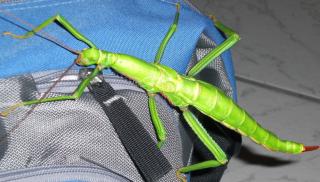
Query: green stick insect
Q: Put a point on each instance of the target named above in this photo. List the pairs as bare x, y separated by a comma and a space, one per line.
181, 91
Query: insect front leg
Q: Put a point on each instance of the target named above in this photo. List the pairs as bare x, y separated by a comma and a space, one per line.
63, 22
217, 51
213, 147
76, 94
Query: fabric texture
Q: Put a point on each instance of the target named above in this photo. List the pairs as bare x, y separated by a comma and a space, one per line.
134, 137
78, 132
117, 26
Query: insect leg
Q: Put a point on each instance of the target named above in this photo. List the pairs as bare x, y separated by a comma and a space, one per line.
157, 123
57, 18
213, 147
76, 94
169, 34
231, 40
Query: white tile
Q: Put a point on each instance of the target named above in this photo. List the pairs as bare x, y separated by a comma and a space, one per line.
290, 118
279, 40
279, 46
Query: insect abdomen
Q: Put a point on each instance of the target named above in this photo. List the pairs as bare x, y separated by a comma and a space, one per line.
214, 103
205, 97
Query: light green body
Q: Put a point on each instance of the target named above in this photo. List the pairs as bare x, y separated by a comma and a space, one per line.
181, 91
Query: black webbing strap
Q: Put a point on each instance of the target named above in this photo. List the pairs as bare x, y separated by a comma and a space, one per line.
228, 140
143, 151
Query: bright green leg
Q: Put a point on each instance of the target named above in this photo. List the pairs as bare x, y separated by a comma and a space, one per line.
76, 94
206, 139
158, 125
168, 36
231, 40
62, 22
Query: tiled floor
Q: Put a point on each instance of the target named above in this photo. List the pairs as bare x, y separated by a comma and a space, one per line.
278, 47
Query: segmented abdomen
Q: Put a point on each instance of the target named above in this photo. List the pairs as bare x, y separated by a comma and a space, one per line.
214, 103
182, 91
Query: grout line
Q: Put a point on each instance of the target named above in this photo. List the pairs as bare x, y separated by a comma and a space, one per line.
277, 88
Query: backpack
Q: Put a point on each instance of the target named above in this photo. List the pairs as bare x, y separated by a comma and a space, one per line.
78, 140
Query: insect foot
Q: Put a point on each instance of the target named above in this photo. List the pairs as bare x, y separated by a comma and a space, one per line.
180, 176
8, 34
6, 112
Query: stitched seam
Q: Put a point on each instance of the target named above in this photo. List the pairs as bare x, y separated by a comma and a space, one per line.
43, 6
22, 2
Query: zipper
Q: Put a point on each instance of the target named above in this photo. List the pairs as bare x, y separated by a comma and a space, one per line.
70, 81
62, 173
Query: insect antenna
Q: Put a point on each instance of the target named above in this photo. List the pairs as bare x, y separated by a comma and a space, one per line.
50, 38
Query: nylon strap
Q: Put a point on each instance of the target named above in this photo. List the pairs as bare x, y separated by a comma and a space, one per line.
149, 160
228, 140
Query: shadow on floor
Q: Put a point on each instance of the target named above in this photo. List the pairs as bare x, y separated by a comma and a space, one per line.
248, 156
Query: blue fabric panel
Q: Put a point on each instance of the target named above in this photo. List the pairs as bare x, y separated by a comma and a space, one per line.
134, 27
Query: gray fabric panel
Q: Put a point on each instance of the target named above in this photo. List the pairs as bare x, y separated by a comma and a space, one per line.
78, 132
215, 72
61, 173
68, 132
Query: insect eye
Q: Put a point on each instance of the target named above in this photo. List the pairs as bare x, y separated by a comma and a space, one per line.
80, 60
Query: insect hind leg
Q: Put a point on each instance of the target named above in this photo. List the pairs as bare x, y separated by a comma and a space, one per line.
212, 146
233, 38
